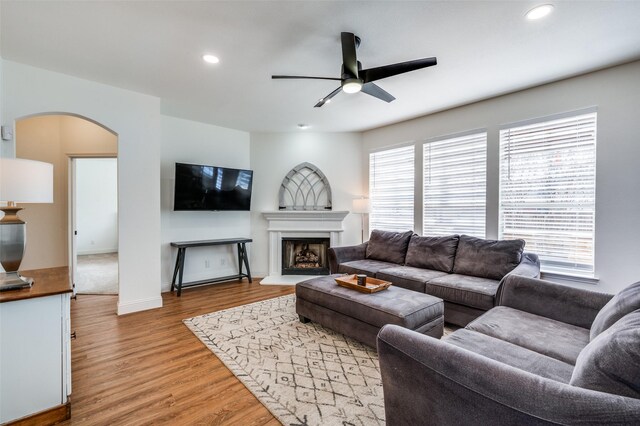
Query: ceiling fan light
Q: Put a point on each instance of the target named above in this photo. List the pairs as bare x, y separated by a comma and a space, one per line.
352, 85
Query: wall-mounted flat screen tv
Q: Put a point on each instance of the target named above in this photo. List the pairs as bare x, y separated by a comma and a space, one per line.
200, 187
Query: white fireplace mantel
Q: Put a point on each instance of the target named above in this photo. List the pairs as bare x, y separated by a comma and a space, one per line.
302, 223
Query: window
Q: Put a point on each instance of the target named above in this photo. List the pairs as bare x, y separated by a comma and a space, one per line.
547, 191
391, 183
455, 185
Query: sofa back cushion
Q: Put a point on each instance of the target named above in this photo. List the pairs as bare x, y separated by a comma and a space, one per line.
628, 300
388, 246
437, 253
611, 362
487, 258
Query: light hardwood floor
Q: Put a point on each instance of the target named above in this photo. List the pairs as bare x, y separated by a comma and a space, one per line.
148, 368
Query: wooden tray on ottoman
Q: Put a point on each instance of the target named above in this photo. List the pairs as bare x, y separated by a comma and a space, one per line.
373, 284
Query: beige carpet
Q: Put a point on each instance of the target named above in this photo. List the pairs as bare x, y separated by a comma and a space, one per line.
97, 274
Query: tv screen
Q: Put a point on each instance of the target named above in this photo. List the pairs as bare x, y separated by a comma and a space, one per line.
201, 187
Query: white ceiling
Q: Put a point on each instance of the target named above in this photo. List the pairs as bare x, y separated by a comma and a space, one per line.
484, 48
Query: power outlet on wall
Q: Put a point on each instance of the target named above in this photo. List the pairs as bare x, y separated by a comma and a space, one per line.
223, 262
207, 263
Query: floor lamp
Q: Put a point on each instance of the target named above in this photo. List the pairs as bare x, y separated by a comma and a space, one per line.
361, 206
21, 181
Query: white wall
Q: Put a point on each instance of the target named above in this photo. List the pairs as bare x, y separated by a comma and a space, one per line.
187, 141
97, 205
616, 93
136, 119
273, 155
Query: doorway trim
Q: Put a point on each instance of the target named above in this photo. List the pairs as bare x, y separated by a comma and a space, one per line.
72, 219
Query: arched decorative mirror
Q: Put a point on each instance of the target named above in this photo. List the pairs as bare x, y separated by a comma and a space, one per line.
305, 187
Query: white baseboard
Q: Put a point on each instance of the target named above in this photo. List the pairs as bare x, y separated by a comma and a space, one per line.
139, 305
102, 251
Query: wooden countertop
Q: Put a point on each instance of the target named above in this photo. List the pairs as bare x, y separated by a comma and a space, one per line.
47, 282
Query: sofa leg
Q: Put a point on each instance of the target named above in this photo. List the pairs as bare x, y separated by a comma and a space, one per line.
304, 320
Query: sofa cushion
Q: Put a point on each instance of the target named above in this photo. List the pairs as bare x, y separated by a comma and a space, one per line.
543, 335
388, 246
510, 354
409, 277
437, 253
487, 258
611, 362
365, 266
626, 301
464, 289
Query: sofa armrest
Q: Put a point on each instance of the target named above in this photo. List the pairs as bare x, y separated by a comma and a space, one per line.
529, 266
431, 382
559, 302
338, 255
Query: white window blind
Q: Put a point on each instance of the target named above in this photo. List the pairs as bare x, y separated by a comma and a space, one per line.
455, 183
547, 191
391, 189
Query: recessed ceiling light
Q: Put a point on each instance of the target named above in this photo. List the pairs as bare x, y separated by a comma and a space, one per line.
303, 126
539, 12
210, 59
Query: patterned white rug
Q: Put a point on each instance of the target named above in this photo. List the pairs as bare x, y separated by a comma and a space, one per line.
303, 373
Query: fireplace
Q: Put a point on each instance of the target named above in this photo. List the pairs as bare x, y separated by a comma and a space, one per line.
305, 256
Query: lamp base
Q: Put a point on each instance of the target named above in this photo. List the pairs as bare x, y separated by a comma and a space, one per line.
14, 281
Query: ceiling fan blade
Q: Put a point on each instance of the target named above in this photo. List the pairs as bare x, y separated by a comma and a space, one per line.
349, 59
276, 77
327, 98
377, 92
378, 73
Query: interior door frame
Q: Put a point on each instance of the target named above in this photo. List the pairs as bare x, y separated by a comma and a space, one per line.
73, 232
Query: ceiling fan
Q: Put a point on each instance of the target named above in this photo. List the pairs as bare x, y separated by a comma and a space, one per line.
354, 79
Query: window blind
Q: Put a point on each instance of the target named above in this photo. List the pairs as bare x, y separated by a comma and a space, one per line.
455, 182
391, 189
547, 191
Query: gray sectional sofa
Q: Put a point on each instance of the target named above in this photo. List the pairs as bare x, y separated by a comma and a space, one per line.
464, 271
547, 354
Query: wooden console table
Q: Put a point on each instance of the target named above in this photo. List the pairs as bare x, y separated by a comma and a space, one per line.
182, 246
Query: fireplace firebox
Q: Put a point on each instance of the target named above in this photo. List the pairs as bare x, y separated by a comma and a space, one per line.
305, 256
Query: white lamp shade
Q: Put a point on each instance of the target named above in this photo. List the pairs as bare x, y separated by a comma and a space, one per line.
26, 181
361, 205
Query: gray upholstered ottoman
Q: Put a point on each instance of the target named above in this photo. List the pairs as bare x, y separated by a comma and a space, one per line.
361, 315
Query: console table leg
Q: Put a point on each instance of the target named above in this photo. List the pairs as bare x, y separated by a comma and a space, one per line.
175, 270
183, 252
245, 258
239, 262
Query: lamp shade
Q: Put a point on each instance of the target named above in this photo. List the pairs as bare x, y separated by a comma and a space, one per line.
26, 181
361, 205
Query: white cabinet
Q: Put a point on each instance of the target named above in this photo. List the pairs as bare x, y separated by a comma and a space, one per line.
35, 354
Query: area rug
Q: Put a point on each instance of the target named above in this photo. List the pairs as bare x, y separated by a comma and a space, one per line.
304, 374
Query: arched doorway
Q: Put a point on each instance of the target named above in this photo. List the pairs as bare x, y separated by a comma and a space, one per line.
63, 139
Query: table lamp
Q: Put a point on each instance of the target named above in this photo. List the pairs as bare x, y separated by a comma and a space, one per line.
361, 206
21, 181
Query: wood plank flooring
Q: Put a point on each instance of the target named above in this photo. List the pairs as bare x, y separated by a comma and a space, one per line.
148, 368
